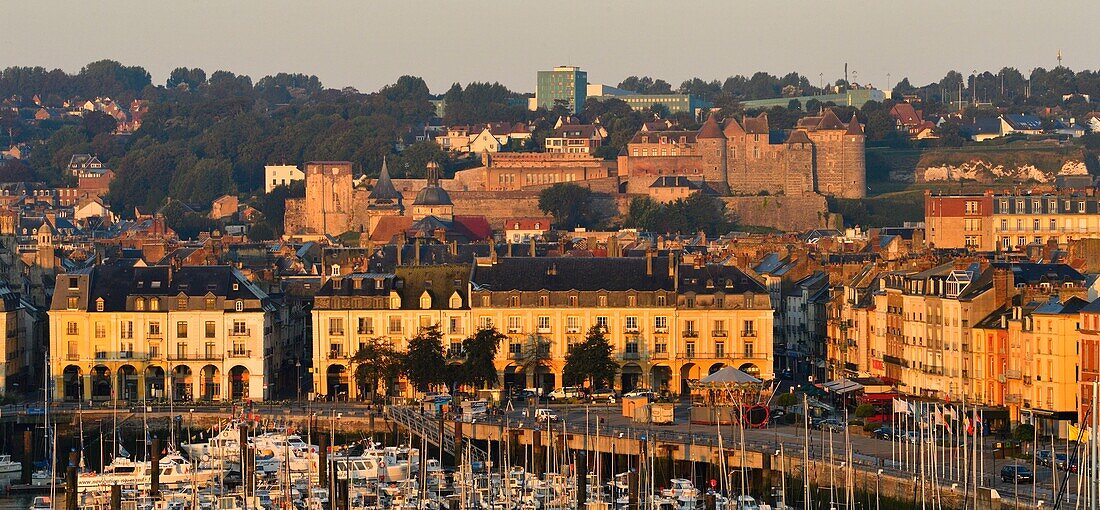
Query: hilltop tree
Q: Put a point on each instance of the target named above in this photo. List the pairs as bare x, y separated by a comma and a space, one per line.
570, 205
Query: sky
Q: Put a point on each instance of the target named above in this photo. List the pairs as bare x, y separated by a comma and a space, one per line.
369, 43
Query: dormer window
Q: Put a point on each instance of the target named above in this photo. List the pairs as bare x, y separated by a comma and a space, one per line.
710, 284
238, 306
210, 302
99, 304
538, 226
425, 301
154, 304
181, 302
236, 286
139, 304
335, 270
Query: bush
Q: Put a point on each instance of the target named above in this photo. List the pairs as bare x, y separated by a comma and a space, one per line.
865, 411
786, 400
871, 427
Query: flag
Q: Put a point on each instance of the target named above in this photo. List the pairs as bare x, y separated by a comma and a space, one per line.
969, 425
1075, 432
900, 406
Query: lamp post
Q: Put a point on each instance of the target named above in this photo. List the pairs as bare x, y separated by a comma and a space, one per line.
298, 366
878, 483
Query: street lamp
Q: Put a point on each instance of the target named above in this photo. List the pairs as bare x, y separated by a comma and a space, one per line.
298, 365
878, 483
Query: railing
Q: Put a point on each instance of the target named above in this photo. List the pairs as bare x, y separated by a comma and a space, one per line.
718, 332
631, 355
365, 331
337, 355
240, 353
194, 356
432, 429
691, 334
749, 332
336, 332
248, 332
1012, 374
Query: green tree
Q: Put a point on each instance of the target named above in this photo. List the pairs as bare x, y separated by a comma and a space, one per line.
424, 363
786, 400
97, 122
375, 361
865, 411
590, 361
570, 205
480, 349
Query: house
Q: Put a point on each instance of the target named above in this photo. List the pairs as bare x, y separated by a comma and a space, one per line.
521, 230
281, 175
85, 163
1021, 123
983, 128
910, 120
224, 207
669, 188
576, 139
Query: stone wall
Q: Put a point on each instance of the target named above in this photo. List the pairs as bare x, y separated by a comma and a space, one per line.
780, 212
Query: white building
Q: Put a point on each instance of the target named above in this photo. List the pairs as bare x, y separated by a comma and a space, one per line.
279, 175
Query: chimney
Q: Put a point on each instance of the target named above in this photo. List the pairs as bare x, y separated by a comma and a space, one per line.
671, 264
509, 249
649, 262
416, 254
1003, 286
532, 247
400, 247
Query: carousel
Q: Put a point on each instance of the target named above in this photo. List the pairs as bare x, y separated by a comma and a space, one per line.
731, 396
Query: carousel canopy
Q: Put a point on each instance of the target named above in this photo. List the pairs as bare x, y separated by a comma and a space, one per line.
729, 375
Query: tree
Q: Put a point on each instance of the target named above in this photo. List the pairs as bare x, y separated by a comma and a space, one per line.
96, 122
570, 205
590, 361
534, 355
424, 363
698, 212
786, 400
184, 76
375, 361
481, 349
865, 411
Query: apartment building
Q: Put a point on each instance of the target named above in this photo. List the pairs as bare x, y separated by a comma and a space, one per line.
353, 310
126, 331
1009, 222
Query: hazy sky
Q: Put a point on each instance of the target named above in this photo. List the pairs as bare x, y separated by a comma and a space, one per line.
367, 44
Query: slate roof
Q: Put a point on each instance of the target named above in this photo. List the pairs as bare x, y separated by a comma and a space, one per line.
1032, 272
722, 278
569, 273
710, 129
674, 181
383, 191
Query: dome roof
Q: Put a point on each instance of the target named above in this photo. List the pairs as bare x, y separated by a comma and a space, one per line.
433, 195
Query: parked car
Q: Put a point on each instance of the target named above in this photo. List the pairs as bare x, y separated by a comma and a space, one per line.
1043, 457
641, 393
1063, 463
523, 395
545, 415
1016, 473
604, 395
885, 433
566, 393
831, 424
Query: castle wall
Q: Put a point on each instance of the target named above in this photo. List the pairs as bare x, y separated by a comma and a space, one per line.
780, 212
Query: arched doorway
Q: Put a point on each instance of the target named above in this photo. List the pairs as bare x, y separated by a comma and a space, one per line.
688, 373
154, 382
127, 382
751, 369
660, 377
716, 367
545, 380
238, 383
101, 383
631, 377
336, 382
514, 378
73, 383
182, 383
211, 383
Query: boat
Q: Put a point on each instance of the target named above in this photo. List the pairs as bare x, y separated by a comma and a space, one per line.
9, 466
122, 471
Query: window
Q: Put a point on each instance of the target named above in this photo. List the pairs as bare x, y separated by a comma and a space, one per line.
211, 350
662, 300
366, 326
601, 301
139, 304
154, 304
100, 330
336, 325
544, 324
154, 328
632, 301
127, 329
573, 301
74, 283
210, 302
719, 349
719, 328
73, 302
211, 329
455, 326
240, 328
513, 301
238, 306
395, 325
601, 322
1004, 224
70, 328
689, 329
485, 322
515, 348
181, 302
515, 324
572, 324
660, 324
748, 349
99, 304
748, 328
631, 323
720, 301
689, 349
181, 329
544, 301
73, 351
485, 301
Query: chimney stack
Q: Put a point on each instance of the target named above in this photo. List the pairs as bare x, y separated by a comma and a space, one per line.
649, 262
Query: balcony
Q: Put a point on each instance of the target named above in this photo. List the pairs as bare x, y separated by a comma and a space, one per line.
248, 332
659, 355
337, 355
72, 356
749, 333
1012, 374
631, 355
691, 334
335, 332
718, 332
1013, 398
515, 355
365, 331
242, 353
545, 330
194, 356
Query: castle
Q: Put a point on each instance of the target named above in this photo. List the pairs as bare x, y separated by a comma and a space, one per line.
821, 155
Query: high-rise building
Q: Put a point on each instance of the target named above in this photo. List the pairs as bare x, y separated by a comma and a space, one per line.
565, 85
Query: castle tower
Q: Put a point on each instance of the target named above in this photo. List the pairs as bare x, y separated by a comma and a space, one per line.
383, 200
854, 161
328, 201
799, 158
712, 144
735, 156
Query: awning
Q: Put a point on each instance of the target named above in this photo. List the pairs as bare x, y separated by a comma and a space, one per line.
842, 386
